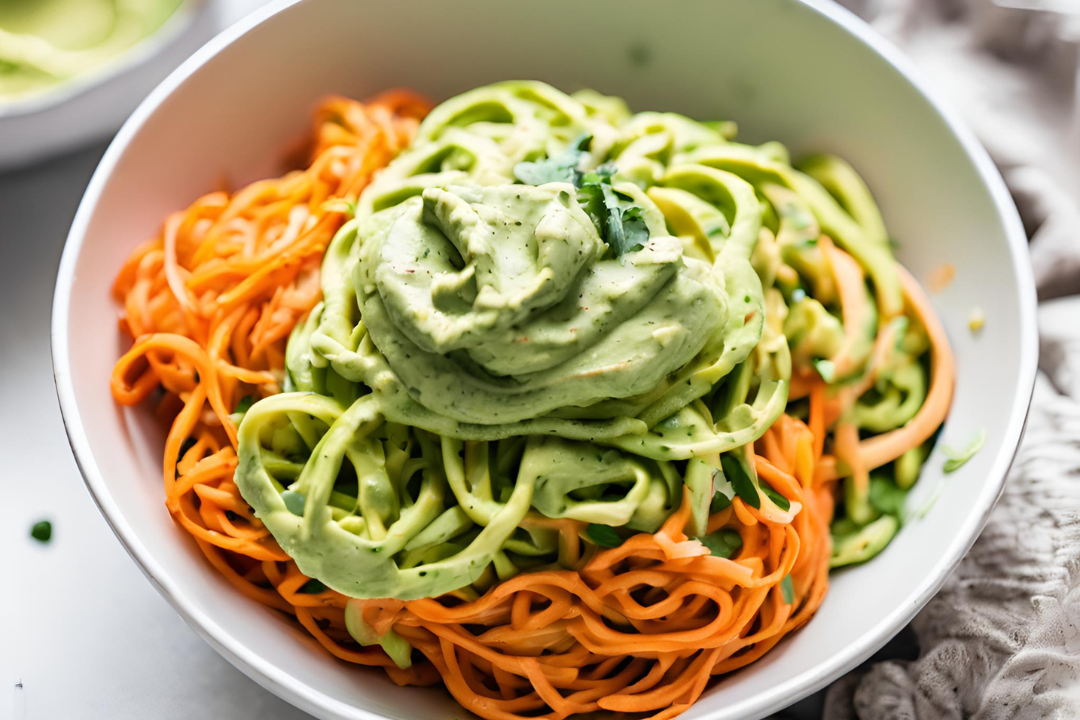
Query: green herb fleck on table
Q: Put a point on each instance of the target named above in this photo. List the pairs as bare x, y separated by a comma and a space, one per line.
41, 531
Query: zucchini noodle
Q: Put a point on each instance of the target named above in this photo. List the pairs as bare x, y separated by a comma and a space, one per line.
563, 425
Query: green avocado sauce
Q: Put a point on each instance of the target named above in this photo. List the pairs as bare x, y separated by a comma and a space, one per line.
545, 307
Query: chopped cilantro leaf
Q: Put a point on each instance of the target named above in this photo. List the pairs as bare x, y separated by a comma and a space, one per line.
788, 589
603, 535
560, 168
312, 587
620, 222
886, 497
740, 480
722, 543
778, 500
720, 501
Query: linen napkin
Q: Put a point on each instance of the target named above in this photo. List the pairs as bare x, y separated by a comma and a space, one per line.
1002, 638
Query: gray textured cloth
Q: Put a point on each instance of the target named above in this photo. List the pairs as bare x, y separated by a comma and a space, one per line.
1002, 638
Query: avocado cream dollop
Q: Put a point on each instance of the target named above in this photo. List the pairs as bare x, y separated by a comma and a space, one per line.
496, 304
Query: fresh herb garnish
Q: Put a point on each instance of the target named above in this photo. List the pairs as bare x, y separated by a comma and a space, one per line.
788, 589
245, 404
778, 500
558, 168
740, 481
42, 531
603, 535
887, 497
825, 369
957, 458
627, 231
312, 587
720, 502
722, 543
620, 222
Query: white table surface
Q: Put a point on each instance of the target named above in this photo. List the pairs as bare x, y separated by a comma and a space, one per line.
83, 635
80, 627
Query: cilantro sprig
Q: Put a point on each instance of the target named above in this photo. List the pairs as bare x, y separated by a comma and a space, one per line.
722, 543
603, 535
740, 480
787, 588
619, 220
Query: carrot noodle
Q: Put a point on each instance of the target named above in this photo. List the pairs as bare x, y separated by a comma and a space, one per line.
880, 449
210, 303
640, 628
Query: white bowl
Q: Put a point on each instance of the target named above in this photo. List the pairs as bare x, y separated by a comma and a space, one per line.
812, 76
94, 104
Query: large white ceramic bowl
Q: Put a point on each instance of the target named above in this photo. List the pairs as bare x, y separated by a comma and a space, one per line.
812, 76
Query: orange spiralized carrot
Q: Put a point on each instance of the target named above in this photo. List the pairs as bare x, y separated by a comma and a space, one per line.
641, 628
878, 450
210, 303
854, 300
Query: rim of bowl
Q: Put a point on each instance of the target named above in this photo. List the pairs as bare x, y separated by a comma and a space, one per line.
781, 695
174, 26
